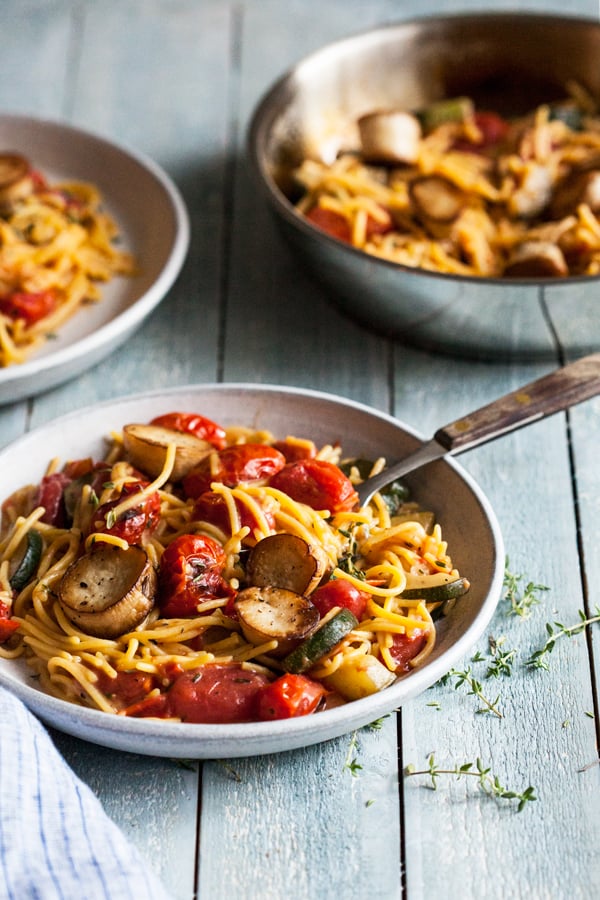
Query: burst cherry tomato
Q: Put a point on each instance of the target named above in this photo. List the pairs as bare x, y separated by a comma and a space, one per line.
405, 647
31, 307
331, 222
126, 688
217, 694
191, 571
213, 508
317, 483
339, 592
7, 625
50, 496
241, 463
131, 524
192, 423
289, 696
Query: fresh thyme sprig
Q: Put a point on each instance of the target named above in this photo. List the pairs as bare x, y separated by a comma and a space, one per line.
556, 630
489, 783
351, 762
501, 662
465, 676
521, 601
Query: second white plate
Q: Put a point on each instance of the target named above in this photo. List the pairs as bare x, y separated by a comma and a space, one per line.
153, 224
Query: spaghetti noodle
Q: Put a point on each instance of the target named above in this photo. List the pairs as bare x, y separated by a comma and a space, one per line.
56, 246
379, 574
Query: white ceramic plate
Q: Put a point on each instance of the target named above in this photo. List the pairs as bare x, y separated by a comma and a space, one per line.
468, 522
154, 226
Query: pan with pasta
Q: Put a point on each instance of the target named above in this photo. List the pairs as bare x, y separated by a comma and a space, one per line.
199, 575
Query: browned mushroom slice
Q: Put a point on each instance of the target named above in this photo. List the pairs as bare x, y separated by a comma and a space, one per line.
436, 199
271, 613
108, 591
536, 259
390, 137
580, 187
146, 448
286, 561
15, 180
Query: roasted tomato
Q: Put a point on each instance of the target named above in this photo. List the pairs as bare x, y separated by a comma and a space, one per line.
126, 688
217, 694
31, 307
241, 463
289, 696
331, 222
7, 625
131, 524
317, 483
191, 571
192, 423
405, 647
213, 508
50, 496
339, 592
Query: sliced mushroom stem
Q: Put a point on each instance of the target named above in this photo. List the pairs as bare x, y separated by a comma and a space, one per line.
271, 613
286, 561
436, 199
146, 448
536, 259
391, 137
15, 180
108, 591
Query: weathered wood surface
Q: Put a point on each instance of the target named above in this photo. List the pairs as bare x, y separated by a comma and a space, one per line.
177, 80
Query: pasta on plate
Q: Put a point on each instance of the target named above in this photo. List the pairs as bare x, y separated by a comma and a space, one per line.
464, 191
208, 574
57, 245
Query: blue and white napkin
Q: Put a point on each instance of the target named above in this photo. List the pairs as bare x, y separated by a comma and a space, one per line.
56, 841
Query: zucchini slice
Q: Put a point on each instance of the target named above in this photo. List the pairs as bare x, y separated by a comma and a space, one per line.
320, 643
29, 562
438, 593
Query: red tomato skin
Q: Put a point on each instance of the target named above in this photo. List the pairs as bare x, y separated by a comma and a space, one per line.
405, 647
212, 508
7, 625
127, 687
132, 524
289, 696
50, 496
241, 463
31, 307
216, 694
374, 226
191, 423
156, 707
331, 222
339, 592
190, 571
317, 483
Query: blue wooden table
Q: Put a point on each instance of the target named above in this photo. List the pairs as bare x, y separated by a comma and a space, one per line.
177, 80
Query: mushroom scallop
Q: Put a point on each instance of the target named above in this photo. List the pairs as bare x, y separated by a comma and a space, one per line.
286, 561
146, 448
270, 613
108, 591
390, 136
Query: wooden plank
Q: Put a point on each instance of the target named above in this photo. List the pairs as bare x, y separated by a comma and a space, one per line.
493, 851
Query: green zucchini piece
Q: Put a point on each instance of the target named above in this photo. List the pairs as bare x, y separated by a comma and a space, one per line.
320, 643
456, 109
29, 563
438, 593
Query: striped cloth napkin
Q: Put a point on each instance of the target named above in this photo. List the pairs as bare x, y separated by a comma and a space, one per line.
56, 841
